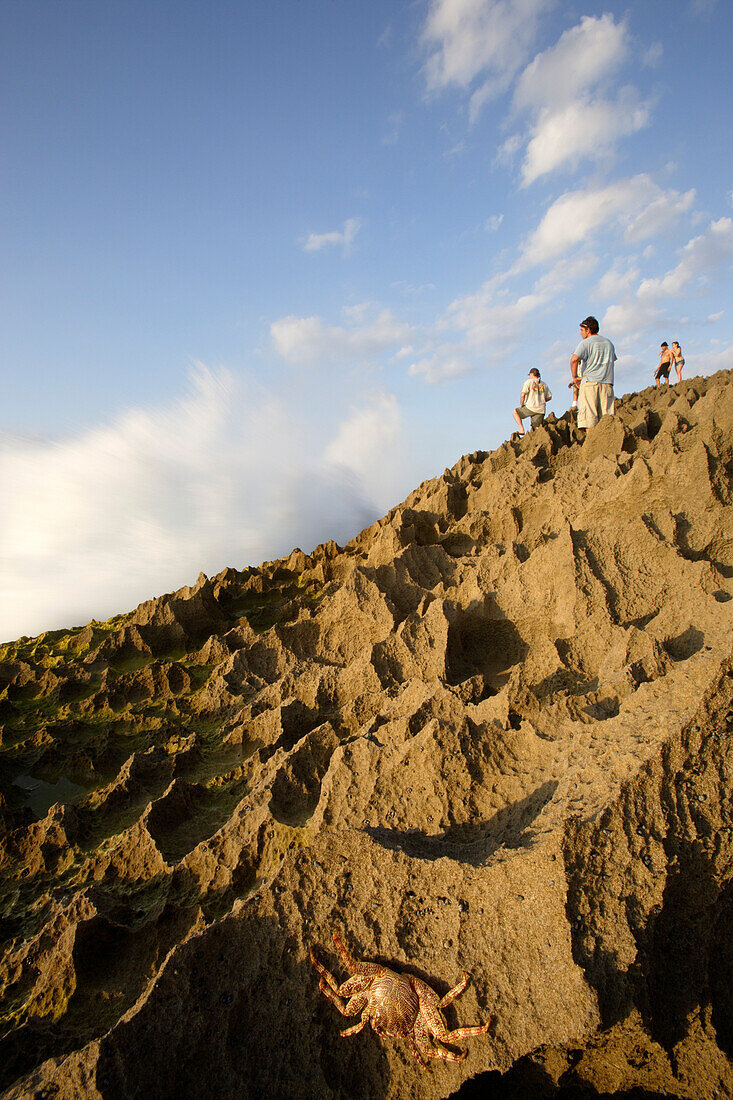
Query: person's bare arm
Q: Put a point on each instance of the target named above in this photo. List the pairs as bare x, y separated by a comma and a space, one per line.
574, 364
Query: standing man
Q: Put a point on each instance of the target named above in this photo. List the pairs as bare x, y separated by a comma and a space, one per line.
665, 363
597, 354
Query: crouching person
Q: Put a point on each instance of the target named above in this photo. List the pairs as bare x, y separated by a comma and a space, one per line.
535, 393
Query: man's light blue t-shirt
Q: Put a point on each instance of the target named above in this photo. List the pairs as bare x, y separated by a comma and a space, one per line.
598, 356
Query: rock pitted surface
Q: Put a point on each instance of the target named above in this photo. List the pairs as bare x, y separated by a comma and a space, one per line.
492, 733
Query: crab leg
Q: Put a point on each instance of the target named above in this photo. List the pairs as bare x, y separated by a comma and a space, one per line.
355, 1029
454, 992
356, 966
427, 1050
459, 1033
417, 1051
352, 1007
439, 1031
325, 974
430, 1012
444, 1054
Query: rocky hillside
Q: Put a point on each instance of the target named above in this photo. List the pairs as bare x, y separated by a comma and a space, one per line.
492, 734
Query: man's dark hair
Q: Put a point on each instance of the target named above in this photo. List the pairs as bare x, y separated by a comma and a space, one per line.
665, 344
591, 324
535, 371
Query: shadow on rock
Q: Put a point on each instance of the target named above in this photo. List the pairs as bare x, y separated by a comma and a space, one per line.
237, 1013
482, 640
689, 953
474, 842
528, 1080
722, 972
112, 962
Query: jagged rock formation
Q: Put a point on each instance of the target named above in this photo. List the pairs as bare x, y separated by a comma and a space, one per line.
492, 733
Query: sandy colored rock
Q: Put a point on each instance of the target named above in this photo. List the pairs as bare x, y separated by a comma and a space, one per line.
492, 733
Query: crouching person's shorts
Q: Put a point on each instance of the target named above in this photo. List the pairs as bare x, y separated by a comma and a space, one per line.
536, 417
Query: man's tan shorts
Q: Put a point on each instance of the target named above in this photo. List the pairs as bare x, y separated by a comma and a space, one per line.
594, 401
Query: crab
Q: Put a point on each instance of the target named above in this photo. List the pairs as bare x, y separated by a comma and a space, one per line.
396, 1005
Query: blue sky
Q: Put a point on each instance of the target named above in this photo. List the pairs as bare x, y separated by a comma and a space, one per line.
268, 266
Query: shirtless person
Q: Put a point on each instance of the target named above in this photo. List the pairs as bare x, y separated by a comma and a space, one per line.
665, 363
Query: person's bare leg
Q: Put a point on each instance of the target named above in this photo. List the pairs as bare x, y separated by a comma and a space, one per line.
518, 419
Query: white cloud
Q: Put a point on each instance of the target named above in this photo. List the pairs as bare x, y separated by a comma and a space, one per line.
699, 258
575, 216
491, 320
641, 309
358, 314
717, 360
468, 39
314, 242
703, 7
306, 340
508, 150
653, 55
456, 150
659, 215
582, 130
583, 57
564, 90
484, 326
487, 325
445, 363
413, 289
492, 224
365, 434
394, 126
713, 318
618, 281
627, 321
227, 475
386, 37
562, 275
637, 205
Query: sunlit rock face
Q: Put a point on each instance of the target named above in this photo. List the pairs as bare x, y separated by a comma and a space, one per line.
492, 734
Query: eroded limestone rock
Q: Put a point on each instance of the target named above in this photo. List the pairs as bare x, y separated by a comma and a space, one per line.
491, 733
